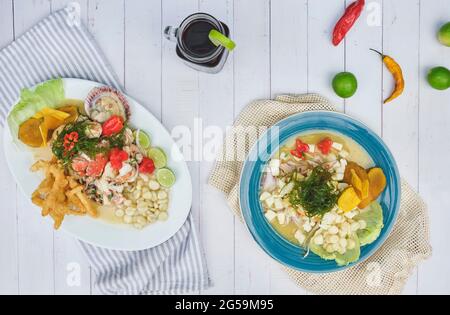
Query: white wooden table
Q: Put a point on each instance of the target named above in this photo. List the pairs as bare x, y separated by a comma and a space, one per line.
282, 46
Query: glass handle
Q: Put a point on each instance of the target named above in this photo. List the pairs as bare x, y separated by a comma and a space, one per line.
170, 33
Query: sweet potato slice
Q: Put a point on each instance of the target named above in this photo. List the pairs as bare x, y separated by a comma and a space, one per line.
348, 200
377, 182
356, 176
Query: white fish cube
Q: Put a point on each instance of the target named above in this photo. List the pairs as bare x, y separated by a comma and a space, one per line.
274, 166
307, 227
281, 216
312, 148
343, 153
300, 236
338, 176
338, 146
269, 201
270, 215
278, 204
264, 196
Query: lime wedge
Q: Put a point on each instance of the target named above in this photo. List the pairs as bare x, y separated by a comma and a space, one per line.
158, 156
218, 38
142, 139
165, 177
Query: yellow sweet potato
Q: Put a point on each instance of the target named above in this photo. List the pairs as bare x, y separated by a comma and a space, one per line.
356, 176
377, 181
348, 200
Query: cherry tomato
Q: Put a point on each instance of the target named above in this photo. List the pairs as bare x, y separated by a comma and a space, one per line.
112, 126
147, 166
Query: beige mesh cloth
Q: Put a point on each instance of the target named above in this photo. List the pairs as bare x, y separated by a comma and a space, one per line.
385, 272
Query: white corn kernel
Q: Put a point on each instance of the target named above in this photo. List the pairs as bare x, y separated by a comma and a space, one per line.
362, 224
350, 244
130, 211
163, 216
127, 219
343, 242
355, 226
120, 213
153, 185
318, 240
333, 230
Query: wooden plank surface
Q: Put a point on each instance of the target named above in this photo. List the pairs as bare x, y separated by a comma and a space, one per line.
282, 47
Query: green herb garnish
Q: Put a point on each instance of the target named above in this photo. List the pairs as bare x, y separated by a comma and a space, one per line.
316, 194
89, 146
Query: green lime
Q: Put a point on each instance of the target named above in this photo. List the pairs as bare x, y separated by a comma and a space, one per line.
439, 78
165, 177
158, 156
142, 139
217, 38
345, 84
444, 34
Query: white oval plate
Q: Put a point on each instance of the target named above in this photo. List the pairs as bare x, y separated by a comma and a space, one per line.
99, 232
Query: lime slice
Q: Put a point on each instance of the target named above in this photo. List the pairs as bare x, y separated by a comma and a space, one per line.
158, 156
142, 139
165, 177
217, 38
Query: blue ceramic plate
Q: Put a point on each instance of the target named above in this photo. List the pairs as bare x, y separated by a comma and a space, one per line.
270, 241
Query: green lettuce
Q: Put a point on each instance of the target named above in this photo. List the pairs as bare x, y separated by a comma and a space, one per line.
373, 216
47, 94
350, 256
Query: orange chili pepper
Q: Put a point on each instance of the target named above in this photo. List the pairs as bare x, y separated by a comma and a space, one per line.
396, 71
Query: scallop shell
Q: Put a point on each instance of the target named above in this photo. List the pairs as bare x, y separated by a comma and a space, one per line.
96, 93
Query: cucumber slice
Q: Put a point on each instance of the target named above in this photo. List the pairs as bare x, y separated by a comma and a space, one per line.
158, 156
165, 177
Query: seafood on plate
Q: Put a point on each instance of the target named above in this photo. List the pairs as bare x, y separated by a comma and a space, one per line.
99, 164
320, 191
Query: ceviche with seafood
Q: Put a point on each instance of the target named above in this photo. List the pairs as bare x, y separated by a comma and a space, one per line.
320, 191
94, 162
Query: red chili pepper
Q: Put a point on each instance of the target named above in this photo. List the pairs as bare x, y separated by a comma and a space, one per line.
70, 140
112, 126
325, 145
346, 22
117, 157
147, 166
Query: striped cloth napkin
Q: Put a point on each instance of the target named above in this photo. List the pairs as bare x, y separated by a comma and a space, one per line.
58, 47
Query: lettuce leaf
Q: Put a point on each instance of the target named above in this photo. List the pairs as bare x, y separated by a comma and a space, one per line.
351, 255
373, 216
47, 94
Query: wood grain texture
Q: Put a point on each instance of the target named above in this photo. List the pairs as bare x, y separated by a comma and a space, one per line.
282, 47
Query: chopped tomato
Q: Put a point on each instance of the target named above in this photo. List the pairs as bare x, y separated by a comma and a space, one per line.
147, 166
325, 145
301, 146
95, 168
297, 154
117, 157
112, 126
